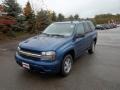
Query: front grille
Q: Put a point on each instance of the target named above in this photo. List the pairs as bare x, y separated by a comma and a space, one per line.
29, 54
31, 51
29, 57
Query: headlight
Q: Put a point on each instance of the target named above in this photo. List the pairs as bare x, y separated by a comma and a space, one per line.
18, 49
50, 55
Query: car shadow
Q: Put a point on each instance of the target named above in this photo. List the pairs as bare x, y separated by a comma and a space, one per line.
83, 60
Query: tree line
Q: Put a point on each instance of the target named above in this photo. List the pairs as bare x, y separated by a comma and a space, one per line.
31, 21
43, 18
107, 18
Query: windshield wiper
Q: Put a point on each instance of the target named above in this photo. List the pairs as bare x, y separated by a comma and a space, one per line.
46, 34
57, 35
53, 35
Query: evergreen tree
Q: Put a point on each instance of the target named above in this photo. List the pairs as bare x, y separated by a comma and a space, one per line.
60, 17
76, 17
12, 8
28, 12
54, 17
29, 17
42, 20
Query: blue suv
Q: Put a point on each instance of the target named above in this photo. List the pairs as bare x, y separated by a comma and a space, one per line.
56, 48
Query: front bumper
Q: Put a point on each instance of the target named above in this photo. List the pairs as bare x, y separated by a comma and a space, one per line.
40, 66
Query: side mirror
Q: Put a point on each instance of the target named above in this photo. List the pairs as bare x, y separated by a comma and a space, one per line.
79, 35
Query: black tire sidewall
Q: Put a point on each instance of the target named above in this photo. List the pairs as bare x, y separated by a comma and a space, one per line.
90, 51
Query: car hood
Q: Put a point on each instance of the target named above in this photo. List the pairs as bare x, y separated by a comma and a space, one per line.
44, 43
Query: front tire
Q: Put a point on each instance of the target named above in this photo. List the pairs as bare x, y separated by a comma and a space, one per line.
92, 48
66, 65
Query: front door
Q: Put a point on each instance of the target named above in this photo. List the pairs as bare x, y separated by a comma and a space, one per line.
79, 41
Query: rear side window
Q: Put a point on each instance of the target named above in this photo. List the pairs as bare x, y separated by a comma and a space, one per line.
91, 25
87, 27
80, 29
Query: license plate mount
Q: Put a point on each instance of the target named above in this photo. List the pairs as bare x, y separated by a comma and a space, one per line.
25, 65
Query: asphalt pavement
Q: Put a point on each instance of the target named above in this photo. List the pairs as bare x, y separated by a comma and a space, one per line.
100, 71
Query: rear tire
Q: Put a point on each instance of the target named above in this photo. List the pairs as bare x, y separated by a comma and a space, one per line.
92, 48
66, 65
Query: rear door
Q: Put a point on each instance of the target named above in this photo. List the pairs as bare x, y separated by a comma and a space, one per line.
88, 34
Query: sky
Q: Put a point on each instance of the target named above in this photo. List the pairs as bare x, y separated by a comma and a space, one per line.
85, 8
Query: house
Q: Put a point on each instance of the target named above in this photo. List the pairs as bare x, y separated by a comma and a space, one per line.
2, 12
5, 19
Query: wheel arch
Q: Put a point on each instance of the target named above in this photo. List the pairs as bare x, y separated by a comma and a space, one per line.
71, 52
95, 40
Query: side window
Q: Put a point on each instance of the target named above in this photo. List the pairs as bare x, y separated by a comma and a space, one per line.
91, 25
87, 27
80, 29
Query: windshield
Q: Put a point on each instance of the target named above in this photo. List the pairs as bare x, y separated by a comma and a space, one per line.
60, 29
